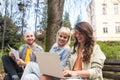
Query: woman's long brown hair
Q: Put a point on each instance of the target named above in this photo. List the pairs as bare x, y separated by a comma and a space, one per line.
85, 29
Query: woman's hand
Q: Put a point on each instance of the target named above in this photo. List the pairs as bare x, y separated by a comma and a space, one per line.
70, 73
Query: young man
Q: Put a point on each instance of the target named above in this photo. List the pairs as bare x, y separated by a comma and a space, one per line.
14, 66
61, 47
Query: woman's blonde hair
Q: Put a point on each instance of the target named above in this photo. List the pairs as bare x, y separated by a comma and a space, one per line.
66, 31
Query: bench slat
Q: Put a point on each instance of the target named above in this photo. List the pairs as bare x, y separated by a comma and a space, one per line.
111, 68
112, 62
111, 76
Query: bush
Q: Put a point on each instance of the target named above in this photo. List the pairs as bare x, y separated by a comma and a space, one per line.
111, 49
1, 53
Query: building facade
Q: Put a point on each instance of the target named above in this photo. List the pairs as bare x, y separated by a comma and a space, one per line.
106, 20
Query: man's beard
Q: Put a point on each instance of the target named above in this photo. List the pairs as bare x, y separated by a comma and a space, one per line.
30, 43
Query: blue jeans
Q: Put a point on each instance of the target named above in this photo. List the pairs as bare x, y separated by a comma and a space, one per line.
31, 72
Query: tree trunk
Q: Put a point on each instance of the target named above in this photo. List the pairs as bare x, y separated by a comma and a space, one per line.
55, 11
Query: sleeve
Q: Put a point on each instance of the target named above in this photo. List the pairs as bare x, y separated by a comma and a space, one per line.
65, 56
52, 48
69, 62
97, 63
38, 48
22, 50
41, 49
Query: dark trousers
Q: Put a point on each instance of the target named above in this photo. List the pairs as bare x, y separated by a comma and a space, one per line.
11, 68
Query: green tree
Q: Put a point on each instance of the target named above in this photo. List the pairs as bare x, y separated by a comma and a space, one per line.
11, 33
66, 21
44, 15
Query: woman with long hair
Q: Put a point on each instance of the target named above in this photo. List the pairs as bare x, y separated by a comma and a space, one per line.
86, 60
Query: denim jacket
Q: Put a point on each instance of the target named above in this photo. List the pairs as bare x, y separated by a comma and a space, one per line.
63, 53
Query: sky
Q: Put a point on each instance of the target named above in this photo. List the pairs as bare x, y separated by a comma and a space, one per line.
76, 8
33, 13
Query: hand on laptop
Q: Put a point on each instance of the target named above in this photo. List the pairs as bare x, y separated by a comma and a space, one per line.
69, 73
65, 72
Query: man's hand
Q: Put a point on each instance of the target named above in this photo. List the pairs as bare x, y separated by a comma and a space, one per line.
20, 62
11, 55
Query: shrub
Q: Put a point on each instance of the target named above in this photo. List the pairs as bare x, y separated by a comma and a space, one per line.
111, 49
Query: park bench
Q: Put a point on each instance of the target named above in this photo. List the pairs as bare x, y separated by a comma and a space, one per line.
111, 69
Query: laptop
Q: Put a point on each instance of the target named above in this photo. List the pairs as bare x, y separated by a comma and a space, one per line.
49, 64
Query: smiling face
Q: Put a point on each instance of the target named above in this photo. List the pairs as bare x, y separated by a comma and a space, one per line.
84, 33
29, 37
80, 37
63, 36
62, 39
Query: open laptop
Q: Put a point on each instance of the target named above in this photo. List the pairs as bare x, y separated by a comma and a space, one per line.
49, 64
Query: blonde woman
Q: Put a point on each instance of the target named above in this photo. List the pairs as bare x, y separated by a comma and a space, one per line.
61, 47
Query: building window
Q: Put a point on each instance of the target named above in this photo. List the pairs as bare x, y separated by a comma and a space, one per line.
104, 9
105, 30
116, 10
117, 29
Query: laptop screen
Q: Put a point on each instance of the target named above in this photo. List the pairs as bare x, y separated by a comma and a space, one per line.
49, 64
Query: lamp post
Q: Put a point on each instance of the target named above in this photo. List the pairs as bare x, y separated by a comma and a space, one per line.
21, 8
